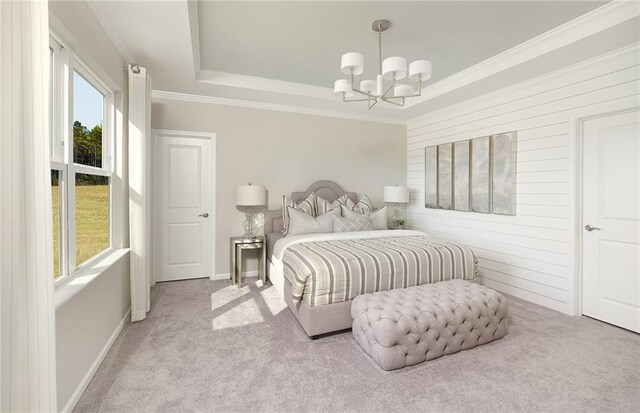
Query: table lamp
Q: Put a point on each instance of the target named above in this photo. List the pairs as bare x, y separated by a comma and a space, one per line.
250, 199
396, 195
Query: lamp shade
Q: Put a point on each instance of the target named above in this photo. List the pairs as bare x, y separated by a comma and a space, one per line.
369, 86
403, 91
420, 70
352, 61
397, 194
394, 68
251, 195
342, 88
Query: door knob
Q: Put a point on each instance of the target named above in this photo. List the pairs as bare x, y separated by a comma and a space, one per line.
591, 228
205, 215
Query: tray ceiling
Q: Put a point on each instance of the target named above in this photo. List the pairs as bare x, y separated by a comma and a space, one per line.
302, 42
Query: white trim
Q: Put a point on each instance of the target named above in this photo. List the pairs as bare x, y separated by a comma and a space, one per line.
213, 100
194, 29
266, 84
70, 286
68, 61
84, 383
480, 102
602, 18
109, 28
576, 157
155, 133
227, 276
67, 40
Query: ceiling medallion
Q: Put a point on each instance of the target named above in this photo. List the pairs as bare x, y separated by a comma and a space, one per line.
391, 68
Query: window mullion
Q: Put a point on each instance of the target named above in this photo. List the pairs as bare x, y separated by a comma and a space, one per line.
71, 174
64, 227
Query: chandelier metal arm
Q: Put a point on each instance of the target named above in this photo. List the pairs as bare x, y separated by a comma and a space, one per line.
393, 103
356, 100
384, 95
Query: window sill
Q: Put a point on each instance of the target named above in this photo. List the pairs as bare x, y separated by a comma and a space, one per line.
82, 278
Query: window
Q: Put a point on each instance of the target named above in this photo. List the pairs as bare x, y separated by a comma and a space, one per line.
81, 171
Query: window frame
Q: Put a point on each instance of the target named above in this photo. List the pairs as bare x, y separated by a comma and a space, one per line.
65, 63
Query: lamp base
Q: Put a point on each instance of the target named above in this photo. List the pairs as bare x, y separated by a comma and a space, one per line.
250, 226
398, 221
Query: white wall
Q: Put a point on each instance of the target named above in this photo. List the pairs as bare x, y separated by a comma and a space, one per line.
529, 255
87, 322
286, 152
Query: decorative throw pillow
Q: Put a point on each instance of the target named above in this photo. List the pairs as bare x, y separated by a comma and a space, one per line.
322, 205
378, 218
302, 223
308, 206
364, 205
351, 225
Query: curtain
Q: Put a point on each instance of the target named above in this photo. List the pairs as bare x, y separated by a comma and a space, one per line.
27, 310
139, 189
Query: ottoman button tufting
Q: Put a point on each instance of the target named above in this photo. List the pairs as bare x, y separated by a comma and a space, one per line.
456, 301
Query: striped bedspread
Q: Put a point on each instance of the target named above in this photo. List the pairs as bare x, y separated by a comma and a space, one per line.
333, 271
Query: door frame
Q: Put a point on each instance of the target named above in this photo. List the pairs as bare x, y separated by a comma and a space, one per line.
576, 182
155, 135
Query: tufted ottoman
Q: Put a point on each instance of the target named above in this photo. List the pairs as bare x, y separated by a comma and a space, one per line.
407, 326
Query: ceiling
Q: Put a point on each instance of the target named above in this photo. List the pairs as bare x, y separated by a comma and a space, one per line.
286, 55
302, 42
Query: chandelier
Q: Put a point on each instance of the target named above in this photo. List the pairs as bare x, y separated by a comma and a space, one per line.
393, 69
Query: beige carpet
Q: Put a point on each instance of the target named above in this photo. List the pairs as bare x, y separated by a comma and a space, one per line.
207, 346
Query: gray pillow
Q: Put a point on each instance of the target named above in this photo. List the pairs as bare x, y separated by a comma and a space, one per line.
351, 225
308, 205
301, 223
378, 218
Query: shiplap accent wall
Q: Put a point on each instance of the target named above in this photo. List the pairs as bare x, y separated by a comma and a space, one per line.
530, 255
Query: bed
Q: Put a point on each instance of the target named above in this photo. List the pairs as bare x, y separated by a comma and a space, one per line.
318, 275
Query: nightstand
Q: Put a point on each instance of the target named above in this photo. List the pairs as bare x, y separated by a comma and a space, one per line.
238, 246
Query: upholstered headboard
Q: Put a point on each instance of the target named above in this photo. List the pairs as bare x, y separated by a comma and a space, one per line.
328, 190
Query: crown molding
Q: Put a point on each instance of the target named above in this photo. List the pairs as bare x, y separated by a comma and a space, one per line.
109, 28
602, 18
158, 95
264, 84
626, 56
194, 31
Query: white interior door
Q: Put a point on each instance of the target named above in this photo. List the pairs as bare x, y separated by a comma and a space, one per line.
611, 220
183, 208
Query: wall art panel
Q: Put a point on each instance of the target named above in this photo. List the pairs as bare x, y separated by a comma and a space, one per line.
431, 177
445, 176
461, 170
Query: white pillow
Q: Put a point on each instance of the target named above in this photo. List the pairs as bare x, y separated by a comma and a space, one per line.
351, 225
301, 223
378, 218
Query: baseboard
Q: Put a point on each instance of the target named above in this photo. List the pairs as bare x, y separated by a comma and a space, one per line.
227, 276
75, 397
